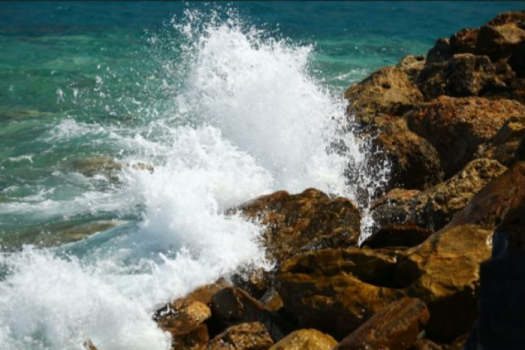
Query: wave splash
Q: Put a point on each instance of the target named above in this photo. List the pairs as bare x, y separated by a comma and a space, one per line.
248, 119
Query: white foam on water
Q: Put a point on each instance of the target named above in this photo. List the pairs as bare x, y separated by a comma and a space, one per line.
256, 122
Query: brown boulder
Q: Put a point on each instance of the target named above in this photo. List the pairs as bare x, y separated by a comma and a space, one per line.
387, 91
457, 126
245, 336
232, 306
434, 208
415, 163
505, 144
184, 319
298, 222
395, 327
444, 272
338, 290
463, 75
306, 339
489, 207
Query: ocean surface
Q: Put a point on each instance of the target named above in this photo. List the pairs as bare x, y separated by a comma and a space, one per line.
128, 128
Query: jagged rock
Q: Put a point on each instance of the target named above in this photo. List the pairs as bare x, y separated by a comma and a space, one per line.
444, 272
245, 336
298, 222
457, 126
232, 306
394, 327
306, 339
489, 207
295, 223
415, 162
397, 235
504, 145
387, 91
272, 300
338, 290
184, 319
412, 66
205, 293
434, 208
463, 75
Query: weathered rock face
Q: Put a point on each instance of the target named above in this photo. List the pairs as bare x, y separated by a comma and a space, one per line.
245, 336
388, 91
306, 339
434, 208
457, 126
464, 75
394, 327
338, 290
184, 319
505, 144
309, 220
232, 306
444, 272
489, 207
415, 162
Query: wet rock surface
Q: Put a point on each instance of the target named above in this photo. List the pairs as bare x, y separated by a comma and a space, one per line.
245, 336
394, 327
306, 339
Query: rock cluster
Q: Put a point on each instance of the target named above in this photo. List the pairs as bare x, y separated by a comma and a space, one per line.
445, 267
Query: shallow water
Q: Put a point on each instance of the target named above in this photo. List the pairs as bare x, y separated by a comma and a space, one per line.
142, 122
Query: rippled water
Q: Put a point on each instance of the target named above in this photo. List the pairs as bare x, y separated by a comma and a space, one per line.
144, 121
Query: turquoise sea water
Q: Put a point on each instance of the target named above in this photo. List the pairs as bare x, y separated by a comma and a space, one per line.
143, 121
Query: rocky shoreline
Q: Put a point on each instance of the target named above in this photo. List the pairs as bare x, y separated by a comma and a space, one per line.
445, 265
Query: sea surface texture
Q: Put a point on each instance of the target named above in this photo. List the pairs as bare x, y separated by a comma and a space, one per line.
127, 129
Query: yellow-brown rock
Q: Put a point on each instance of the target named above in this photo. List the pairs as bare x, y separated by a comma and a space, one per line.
336, 291
184, 319
387, 91
308, 220
456, 127
245, 336
435, 207
306, 339
232, 306
395, 327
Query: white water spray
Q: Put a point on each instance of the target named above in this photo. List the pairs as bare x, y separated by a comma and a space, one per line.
256, 122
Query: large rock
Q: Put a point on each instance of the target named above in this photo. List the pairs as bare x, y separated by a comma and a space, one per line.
489, 207
388, 91
397, 235
505, 144
245, 336
338, 290
394, 327
457, 126
415, 163
184, 319
464, 75
434, 208
232, 306
298, 222
306, 339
